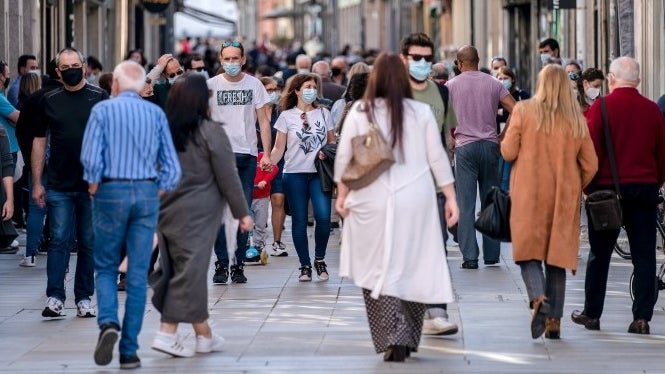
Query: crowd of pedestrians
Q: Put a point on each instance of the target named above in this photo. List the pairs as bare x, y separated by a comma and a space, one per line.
147, 172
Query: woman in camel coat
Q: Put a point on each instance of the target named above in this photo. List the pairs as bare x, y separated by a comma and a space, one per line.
554, 159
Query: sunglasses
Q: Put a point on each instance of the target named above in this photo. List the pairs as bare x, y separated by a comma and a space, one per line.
234, 43
417, 57
176, 74
305, 124
573, 76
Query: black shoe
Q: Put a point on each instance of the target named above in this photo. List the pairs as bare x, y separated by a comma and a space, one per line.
395, 353
238, 274
321, 270
582, 319
107, 338
470, 265
491, 262
310, 223
130, 362
221, 274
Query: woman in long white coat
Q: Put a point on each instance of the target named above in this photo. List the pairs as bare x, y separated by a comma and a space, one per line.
392, 245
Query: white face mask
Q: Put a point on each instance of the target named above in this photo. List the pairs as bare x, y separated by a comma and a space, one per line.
303, 71
592, 93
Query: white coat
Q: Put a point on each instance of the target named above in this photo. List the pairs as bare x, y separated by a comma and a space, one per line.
391, 240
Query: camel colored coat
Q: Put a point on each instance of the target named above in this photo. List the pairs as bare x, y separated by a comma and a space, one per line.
546, 183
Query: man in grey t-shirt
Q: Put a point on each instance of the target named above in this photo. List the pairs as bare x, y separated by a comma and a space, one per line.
475, 96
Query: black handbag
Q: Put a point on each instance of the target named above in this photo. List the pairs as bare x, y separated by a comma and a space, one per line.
604, 206
494, 219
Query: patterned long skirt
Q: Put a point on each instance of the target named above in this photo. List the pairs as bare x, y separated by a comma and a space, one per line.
393, 321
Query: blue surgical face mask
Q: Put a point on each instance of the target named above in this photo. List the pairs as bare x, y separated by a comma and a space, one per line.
419, 70
309, 95
232, 68
507, 83
545, 58
274, 97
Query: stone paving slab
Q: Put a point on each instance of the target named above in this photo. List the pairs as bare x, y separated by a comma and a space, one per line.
275, 324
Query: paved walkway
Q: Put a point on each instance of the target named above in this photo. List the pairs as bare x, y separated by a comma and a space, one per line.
276, 324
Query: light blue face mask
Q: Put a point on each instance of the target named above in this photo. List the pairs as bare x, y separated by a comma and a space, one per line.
507, 83
204, 73
274, 97
232, 68
419, 70
309, 95
545, 58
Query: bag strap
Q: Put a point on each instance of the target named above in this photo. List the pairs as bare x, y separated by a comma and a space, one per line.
609, 146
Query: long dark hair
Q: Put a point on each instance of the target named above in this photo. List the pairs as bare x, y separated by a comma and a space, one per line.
390, 81
186, 107
290, 98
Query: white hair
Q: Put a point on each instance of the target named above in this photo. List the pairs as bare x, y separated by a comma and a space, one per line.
304, 59
321, 68
625, 69
130, 76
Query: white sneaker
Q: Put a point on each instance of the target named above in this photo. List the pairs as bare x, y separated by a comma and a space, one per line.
278, 250
207, 345
14, 244
85, 310
27, 262
54, 308
171, 344
439, 326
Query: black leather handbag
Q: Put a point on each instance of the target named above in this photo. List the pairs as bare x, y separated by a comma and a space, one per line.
494, 219
604, 206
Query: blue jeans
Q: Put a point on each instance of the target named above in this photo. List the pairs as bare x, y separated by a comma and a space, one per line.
476, 168
299, 189
246, 165
68, 210
124, 213
34, 221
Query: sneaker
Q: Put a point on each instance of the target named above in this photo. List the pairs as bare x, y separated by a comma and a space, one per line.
85, 310
278, 250
207, 345
105, 343
252, 255
305, 274
54, 308
321, 270
14, 244
221, 274
264, 255
130, 362
238, 274
439, 326
27, 262
171, 344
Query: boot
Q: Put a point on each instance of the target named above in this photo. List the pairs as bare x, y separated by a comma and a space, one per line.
553, 328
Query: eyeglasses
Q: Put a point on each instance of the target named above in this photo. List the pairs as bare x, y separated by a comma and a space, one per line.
234, 43
573, 76
305, 124
177, 73
417, 57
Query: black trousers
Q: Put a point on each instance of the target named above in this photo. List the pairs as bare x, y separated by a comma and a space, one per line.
639, 203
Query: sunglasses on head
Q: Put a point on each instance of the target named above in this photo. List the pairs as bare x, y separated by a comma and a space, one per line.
177, 73
417, 57
234, 43
573, 76
303, 117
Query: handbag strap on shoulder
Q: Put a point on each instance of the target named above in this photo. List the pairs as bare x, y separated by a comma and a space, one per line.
609, 146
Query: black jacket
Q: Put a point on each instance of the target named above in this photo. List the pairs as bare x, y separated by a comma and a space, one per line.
326, 167
29, 117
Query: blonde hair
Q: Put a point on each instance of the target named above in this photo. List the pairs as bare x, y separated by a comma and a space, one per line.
555, 103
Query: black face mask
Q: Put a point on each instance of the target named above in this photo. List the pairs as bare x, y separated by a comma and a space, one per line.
336, 71
72, 76
6, 83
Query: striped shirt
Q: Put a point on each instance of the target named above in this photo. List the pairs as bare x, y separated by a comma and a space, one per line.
129, 138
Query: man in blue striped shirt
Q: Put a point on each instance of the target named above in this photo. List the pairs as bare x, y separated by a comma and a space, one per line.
129, 160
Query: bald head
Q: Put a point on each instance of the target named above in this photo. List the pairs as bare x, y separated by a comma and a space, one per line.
625, 72
128, 76
467, 56
321, 68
